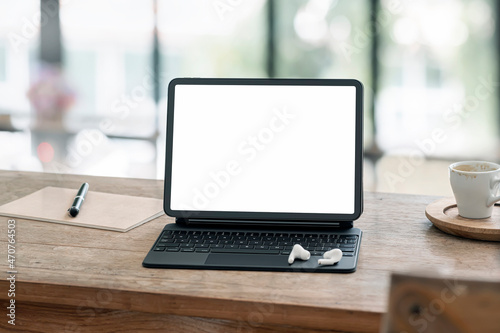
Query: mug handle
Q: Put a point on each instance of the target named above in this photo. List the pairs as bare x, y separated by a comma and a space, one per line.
493, 198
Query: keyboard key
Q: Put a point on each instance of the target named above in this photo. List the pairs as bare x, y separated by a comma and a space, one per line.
217, 246
202, 250
201, 246
347, 250
317, 253
348, 254
189, 249
172, 249
246, 247
261, 247
231, 247
249, 251
285, 253
159, 248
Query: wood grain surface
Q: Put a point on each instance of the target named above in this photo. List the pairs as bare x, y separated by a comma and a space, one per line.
71, 279
443, 213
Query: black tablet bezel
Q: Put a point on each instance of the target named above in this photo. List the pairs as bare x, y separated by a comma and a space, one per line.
266, 216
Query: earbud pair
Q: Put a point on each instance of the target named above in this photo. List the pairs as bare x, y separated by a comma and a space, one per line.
329, 257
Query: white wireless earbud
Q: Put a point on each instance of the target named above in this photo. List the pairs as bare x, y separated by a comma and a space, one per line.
331, 257
298, 252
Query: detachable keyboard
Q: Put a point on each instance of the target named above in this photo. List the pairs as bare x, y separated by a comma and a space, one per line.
179, 247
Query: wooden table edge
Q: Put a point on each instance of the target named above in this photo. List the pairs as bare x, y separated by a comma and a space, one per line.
304, 316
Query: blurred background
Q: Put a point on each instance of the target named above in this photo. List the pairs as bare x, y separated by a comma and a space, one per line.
83, 83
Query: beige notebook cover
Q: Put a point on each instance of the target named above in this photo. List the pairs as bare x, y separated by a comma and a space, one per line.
99, 210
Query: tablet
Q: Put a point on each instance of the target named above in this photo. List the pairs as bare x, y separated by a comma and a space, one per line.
278, 150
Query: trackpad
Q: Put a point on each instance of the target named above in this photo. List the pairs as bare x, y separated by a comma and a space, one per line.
242, 260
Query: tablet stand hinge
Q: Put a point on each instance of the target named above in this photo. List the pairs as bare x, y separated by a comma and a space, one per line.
269, 224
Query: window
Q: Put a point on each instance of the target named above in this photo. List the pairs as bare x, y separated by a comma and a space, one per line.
438, 62
19, 31
212, 38
107, 58
326, 39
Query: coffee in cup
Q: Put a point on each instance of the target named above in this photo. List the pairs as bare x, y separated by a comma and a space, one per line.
475, 186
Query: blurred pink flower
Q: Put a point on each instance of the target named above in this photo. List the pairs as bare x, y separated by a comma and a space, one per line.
50, 95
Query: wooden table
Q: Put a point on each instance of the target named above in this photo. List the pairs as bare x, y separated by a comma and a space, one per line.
73, 279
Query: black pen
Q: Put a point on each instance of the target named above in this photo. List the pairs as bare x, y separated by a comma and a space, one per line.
77, 203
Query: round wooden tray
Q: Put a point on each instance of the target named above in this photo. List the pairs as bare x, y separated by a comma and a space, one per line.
443, 213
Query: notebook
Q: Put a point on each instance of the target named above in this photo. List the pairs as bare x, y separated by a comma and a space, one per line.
99, 210
255, 166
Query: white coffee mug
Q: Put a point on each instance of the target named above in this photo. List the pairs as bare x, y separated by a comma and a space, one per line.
475, 186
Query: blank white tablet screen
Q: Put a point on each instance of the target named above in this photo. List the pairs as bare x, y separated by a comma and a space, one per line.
264, 148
